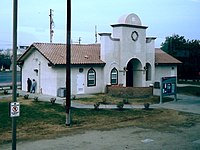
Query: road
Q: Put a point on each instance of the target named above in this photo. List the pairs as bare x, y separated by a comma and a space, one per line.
6, 77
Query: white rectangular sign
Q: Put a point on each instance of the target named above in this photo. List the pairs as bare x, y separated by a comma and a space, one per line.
14, 109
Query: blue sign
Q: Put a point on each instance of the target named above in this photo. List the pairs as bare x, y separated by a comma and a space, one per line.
168, 87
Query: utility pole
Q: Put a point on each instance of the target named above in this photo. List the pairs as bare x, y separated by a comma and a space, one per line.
14, 71
51, 25
68, 65
95, 34
79, 40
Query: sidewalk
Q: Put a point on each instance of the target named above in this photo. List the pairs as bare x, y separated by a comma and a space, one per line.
60, 100
185, 103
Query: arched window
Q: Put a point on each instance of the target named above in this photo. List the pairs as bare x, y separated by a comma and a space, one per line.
114, 76
91, 77
148, 72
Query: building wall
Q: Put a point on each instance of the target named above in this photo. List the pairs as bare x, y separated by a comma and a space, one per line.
150, 58
75, 82
128, 48
47, 79
50, 78
36, 67
110, 54
163, 71
118, 49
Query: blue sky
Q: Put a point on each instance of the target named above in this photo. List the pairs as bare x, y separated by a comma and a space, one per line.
163, 18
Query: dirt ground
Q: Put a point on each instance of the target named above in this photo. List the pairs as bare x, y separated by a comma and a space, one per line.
131, 138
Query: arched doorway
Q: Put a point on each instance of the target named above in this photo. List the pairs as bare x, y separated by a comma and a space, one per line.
134, 73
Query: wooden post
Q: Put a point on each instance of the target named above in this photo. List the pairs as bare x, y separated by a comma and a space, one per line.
14, 71
68, 65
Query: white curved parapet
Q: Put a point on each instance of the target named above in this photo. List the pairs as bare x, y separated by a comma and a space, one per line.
131, 19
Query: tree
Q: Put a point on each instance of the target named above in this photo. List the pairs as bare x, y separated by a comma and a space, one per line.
5, 61
173, 44
186, 51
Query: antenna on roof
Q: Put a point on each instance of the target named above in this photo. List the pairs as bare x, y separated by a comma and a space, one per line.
52, 25
95, 34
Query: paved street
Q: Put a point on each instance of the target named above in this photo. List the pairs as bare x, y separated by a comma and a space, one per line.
185, 103
6, 77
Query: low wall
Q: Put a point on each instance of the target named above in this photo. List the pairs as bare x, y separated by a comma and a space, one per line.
134, 92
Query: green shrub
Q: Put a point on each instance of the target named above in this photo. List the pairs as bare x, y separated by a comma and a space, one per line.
120, 105
96, 106
104, 100
146, 106
35, 99
26, 96
126, 101
52, 100
73, 97
5, 92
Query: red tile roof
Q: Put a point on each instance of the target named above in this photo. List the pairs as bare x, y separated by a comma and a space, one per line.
162, 57
84, 54
80, 54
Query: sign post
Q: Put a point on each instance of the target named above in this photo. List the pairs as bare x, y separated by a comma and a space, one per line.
68, 65
168, 87
14, 73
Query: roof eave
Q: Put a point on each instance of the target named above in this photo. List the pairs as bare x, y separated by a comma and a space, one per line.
81, 64
22, 58
162, 64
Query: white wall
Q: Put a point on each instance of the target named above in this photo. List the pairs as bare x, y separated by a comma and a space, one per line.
61, 79
120, 49
128, 48
50, 78
150, 58
45, 77
163, 71
111, 55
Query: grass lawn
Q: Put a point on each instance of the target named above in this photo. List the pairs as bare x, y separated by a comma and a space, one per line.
108, 99
189, 82
189, 90
39, 120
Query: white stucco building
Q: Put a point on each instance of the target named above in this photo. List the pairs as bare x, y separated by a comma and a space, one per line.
125, 57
